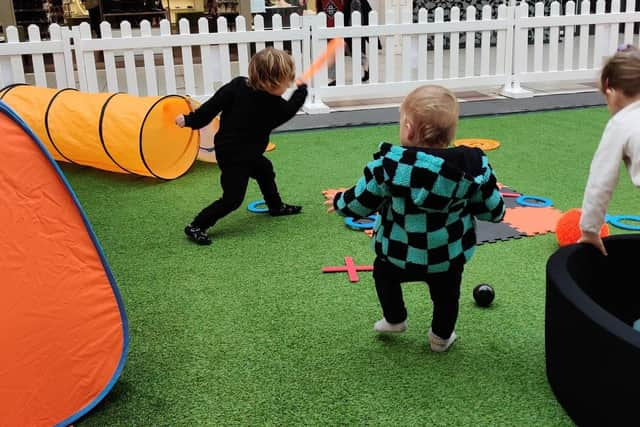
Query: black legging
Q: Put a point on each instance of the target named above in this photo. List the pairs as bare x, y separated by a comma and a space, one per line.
443, 287
234, 178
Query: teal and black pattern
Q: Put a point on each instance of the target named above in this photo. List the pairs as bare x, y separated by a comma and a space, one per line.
426, 200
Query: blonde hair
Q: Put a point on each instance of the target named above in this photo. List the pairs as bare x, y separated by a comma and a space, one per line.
622, 71
269, 68
433, 113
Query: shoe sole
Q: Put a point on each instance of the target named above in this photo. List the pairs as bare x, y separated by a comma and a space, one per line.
438, 348
199, 242
390, 332
196, 241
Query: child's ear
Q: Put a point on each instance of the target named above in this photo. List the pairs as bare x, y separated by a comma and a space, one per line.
410, 130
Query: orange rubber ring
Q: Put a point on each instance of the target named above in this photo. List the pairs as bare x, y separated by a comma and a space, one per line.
483, 144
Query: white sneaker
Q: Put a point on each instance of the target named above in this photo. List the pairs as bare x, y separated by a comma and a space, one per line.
383, 326
438, 344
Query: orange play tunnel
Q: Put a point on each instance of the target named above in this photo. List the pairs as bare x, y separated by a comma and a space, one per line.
63, 328
113, 132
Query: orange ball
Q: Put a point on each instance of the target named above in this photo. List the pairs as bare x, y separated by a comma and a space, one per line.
568, 227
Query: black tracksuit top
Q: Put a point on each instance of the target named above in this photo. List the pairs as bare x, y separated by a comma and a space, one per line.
248, 115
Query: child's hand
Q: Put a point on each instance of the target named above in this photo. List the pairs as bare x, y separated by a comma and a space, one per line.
180, 120
593, 239
329, 195
329, 204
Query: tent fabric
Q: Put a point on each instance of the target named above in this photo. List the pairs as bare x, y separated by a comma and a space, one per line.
63, 328
113, 132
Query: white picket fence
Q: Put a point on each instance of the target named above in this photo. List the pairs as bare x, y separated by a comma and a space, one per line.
156, 62
566, 63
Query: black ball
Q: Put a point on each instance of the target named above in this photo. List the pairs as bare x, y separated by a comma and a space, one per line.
483, 294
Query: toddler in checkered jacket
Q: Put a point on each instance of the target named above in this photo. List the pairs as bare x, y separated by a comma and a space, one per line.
427, 196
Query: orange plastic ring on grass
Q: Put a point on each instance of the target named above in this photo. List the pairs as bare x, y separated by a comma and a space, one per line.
271, 147
481, 143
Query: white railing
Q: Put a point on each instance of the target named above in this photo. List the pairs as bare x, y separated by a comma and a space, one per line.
417, 62
503, 54
59, 46
579, 56
214, 68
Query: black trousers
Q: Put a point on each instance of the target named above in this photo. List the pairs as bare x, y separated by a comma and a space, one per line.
443, 287
234, 178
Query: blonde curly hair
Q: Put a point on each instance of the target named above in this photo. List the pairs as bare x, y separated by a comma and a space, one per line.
270, 68
433, 112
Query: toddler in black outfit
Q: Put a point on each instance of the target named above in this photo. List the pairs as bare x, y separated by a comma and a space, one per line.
251, 108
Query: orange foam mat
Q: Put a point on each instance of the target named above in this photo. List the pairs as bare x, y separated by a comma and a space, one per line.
532, 220
63, 329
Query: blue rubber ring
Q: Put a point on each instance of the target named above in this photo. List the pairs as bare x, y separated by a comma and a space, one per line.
616, 221
253, 207
354, 224
541, 202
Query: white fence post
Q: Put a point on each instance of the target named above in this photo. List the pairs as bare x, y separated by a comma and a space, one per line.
37, 60
422, 55
516, 52
15, 61
628, 27
338, 65
168, 64
485, 44
130, 68
583, 53
316, 106
538, 40
187, 60
77, 53
454, 44
389, 49
408, 48
504, 40
89, 59
149, 61
66, 37
295, 21
209, 62
223, 58
601, 37
373, 50
554, 34
110, 71
470, 45
569, 35
613, 30
438, 47
307, 27
356, 51
306, 23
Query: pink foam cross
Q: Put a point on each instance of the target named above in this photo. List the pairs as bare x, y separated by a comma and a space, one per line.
350, 267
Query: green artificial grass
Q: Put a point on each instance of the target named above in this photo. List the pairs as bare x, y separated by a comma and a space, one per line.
248, 331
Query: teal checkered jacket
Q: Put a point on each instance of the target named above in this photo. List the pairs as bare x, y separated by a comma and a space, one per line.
426, 199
